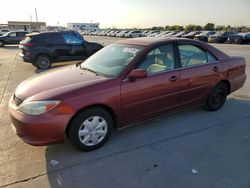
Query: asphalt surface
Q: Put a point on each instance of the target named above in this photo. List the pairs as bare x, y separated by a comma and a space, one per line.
192, 148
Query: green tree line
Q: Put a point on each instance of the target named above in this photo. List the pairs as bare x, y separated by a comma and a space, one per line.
207, 27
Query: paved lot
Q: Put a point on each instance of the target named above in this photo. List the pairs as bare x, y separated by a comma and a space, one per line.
156, 153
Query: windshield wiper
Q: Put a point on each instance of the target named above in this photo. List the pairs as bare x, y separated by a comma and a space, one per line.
77, 64
84, 68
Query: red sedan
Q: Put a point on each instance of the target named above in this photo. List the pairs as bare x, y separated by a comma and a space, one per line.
125, 82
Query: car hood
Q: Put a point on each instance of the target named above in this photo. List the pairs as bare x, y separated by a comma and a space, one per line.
56, 82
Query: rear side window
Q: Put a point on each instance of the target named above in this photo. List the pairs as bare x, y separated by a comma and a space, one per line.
54, 39
72, 39
210, 58
191, 55
21, 34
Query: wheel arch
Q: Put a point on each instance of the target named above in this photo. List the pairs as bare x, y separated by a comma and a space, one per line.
105, 107
227, 83
3, 42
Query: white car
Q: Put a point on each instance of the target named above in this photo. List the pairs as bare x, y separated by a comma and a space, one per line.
133, 34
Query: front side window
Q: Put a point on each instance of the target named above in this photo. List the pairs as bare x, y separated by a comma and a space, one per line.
72, 39
12, 34
191, 55
112, 59
159, 59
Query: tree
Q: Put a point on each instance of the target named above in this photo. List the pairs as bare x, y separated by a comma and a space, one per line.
167, 27
189, 28
198, 28
209, 27
157, 28
176, 28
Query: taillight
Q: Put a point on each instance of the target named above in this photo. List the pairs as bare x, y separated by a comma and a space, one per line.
27, 44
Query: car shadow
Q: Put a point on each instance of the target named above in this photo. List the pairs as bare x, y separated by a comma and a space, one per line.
113, 163
10, 47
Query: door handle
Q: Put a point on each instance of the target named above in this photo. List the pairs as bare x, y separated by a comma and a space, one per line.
173, 79
215, 69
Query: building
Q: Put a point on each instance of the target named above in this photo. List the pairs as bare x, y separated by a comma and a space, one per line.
83, 26
29, 26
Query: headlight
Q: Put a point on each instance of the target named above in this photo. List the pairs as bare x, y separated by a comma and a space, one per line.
37, 107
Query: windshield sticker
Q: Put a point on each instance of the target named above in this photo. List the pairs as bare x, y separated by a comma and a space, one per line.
130, 50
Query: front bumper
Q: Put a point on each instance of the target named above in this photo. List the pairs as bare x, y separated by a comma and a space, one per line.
38, 130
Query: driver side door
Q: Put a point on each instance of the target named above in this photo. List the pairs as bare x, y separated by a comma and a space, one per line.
158, 92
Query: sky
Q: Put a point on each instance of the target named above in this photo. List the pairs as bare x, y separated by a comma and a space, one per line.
129, 13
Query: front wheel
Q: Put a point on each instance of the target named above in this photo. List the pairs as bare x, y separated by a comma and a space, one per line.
217, 97
43, 62
2, 43
90, 129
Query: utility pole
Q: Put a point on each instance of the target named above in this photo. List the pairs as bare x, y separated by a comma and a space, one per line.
30, 22
36, 15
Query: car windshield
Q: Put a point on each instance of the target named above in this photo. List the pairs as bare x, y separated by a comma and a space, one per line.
111, 60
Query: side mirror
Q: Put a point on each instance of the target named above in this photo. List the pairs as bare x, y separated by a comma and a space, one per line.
137, 73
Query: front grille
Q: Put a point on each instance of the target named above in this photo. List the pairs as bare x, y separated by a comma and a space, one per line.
17, 101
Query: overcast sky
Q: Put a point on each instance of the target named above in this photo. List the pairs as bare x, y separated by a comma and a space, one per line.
129, 13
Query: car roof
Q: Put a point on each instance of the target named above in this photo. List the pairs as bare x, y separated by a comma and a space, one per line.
49, 32
148, 41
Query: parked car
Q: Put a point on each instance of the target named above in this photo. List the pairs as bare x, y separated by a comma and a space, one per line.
12, 37
170, 34
122, 33
240, 38
203, 36
133, 34
191, 34
161, 34
179, 34
125, 82
220, 37
153, 33
43, 49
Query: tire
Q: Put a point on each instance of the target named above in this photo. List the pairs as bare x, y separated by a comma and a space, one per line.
90, 129
217, 97
2, 43
43, 62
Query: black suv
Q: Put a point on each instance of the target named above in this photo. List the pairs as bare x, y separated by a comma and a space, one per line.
43, 49
13, 37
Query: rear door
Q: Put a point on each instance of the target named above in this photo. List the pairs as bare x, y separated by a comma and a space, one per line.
156, 93
76, 45
200, 70
56, 46
20, 36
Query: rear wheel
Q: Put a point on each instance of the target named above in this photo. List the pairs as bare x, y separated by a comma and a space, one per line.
2, 43
217, 97
43, 62
90, 129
